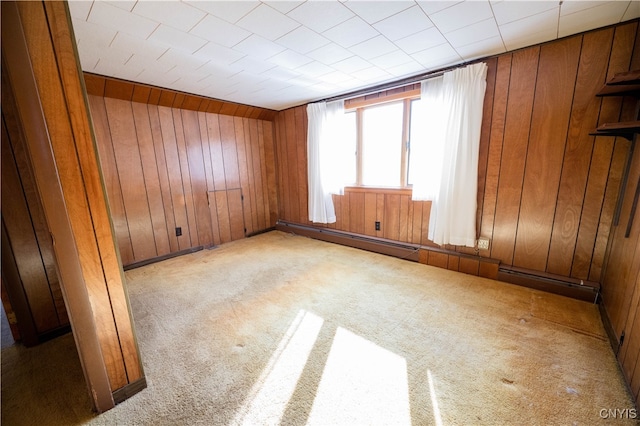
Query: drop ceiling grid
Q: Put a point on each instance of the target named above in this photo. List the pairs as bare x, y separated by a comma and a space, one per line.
276, 54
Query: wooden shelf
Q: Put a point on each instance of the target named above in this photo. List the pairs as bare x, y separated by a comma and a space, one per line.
627, 78
625, 129
625, 83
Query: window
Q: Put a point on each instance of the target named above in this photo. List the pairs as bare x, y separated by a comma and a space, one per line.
383, 130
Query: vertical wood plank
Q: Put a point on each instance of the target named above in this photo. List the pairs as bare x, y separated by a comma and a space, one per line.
271, 165
111, 178
293, 212
174, 176
391, 216
257, 173
229, 154
206, 150
243, 167
592, 70
165, 188
357, 211
195, 160
301, 163
263, 169
405, 202
370, 213
215, 149
380, 206
134, 194
236, 216
498, 119
251, 193
185, 176
416, 233
524, 64
151, 179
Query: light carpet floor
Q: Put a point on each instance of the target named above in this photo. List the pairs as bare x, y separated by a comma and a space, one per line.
281, 329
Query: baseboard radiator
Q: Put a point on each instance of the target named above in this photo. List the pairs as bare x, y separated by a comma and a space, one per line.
474, 265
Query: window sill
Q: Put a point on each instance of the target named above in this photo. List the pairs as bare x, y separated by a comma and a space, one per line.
379, 190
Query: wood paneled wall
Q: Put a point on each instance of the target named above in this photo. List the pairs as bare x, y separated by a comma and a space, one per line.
42, 68
30, 246
547, 190
109, 87
211, 175
621, 283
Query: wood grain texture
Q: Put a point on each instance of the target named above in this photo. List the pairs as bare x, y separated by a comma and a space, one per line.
185, 176
592, 70
551, 113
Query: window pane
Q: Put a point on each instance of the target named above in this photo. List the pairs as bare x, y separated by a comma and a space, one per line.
382, 145
417, 134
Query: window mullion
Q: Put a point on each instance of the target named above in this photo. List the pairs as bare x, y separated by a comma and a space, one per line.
405, 140
359, 144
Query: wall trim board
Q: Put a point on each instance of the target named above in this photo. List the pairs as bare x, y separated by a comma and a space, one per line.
589, 291
480, 266
608, 327
161, 258
129, 390
449, 259
110, 87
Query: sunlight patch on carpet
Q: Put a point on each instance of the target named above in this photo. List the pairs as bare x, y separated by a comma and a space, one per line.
362, 383
434, 402
270, 395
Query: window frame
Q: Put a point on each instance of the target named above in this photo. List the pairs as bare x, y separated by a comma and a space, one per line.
358, 105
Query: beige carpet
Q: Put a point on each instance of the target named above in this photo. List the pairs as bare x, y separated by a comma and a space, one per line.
280, 329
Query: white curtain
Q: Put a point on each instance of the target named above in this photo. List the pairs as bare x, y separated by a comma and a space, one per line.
454, 115
328, 158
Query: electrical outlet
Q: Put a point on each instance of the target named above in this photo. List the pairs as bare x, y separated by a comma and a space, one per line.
178, 231
483, 244
377, 226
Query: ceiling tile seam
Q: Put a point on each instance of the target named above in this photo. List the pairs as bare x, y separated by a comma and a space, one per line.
493, 14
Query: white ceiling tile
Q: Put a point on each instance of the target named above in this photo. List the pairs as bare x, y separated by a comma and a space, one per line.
588, 19
143, 61
473, 33
80, 9
177, 39
230, 11
289, 59
93, 35
220, 54
320, 15
374, 11
302, 40
403, 24
435, 57
253, 65
314, 69
422, 40
352, 64
89, 58
123, 4
182, 59
176, 14
267, 22
120, 20
281, 73
410, 68
284, 6
461, 15
335, 77
633, 11
391, 60
374, 47
302, 81
572, 6
258, 47
371, 74
531, 30
329, 54
215, 29
147, 48
509, 11
433, 6
351, 32
482, 48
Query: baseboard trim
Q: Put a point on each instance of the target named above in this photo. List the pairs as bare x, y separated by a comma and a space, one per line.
435, 256
161, 258
564, 286
129, 390
263, 231
608, 327
376, 245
